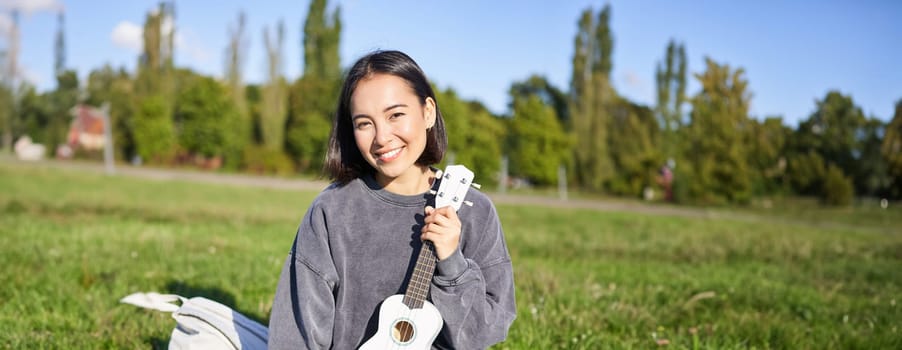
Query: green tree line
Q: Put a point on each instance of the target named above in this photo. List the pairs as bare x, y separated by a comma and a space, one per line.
717, 152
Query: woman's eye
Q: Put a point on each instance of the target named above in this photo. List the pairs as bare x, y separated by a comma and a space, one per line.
397, 115
362, 125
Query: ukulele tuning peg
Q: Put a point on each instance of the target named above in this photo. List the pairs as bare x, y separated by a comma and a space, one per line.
432, 192
476, 185
468, 203
438, 173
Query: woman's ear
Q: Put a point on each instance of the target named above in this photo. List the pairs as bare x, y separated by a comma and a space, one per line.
429, 112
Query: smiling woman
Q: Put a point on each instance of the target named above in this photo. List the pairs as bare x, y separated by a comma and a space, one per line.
360, 238
390, 129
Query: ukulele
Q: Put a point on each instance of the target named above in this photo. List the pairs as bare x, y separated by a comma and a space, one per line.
409, 321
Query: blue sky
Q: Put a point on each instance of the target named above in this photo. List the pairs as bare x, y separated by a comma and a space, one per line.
793, 52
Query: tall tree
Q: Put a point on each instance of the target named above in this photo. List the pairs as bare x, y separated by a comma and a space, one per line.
155, 88
274, 92
313, 96
61, 102
716, 155
60, 46
670, 76
891, 149
592, 94
235, 59
320, 42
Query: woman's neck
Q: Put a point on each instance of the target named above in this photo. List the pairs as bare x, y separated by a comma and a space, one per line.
411, 183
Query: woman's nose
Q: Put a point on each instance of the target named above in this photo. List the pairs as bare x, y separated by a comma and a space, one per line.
384, 134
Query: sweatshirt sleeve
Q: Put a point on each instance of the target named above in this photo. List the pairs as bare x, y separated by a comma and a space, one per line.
473, 288
304, 307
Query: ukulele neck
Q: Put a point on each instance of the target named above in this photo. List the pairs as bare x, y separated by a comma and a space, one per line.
421, 279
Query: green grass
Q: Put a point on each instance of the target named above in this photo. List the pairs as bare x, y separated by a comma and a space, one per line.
73, 243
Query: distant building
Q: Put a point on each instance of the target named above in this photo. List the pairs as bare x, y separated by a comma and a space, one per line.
86, 130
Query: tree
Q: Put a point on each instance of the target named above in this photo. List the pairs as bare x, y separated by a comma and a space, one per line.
806, 172
549, 94
235, 58
116, 87
540, 144
7, 103
61, 102
591, 94
33, 115
475, 136
871, 176
320, 42
60, 46
483, 142
632, 139
837, 189
313, 96
891, 149
153, 130
155, 88
209, 123
835, 131
767, 142
273, 109
670, 76
312, 103
715, 152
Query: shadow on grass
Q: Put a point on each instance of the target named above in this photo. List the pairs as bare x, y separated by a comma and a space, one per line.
158, 343
216, 294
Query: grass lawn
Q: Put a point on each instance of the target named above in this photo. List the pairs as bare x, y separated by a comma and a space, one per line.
73, 243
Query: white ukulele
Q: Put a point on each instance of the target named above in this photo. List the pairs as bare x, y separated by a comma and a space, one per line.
409, 321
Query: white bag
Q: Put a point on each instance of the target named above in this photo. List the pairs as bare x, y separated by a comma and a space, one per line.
203, 323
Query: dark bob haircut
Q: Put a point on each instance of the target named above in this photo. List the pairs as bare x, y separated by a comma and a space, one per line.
343, 161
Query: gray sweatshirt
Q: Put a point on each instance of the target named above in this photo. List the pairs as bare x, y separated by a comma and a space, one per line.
357, 245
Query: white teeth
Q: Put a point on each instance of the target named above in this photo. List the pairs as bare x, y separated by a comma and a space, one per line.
390, 154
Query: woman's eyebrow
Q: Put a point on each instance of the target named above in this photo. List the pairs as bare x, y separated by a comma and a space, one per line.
393, 107
362, 115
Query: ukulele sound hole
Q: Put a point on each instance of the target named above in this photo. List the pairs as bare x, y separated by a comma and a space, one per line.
402, 332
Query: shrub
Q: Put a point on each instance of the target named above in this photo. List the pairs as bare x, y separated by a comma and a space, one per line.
837, 188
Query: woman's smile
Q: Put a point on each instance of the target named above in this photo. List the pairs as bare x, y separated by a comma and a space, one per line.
390, 155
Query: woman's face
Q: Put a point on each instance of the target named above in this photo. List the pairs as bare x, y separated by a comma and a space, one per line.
390, 126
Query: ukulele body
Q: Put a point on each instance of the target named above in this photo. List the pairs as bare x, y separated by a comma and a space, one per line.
401, 327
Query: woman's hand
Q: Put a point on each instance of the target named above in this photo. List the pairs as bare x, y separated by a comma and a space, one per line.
442, 228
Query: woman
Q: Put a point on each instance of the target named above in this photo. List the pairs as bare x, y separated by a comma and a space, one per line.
360, 238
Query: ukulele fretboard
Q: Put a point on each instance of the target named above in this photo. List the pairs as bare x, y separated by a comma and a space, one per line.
421, 279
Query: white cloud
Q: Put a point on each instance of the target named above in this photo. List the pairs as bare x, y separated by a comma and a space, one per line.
129, 36
29, 7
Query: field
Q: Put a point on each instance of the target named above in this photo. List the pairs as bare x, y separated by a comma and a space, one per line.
72, 243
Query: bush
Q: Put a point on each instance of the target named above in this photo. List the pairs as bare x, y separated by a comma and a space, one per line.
837, 188
260, 160
154, 132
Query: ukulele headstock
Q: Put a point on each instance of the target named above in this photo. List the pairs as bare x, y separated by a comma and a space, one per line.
455, 182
